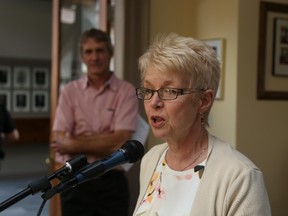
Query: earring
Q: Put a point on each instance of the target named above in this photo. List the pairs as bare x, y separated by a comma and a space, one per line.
202, 118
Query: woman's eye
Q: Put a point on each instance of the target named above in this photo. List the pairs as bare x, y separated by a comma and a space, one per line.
171, 91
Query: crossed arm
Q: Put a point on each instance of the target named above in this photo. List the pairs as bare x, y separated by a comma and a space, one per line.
96, 145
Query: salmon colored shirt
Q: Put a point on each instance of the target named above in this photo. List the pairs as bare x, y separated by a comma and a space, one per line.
83, 109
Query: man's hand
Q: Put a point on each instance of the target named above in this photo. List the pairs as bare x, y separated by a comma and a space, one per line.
94, 146
64, 143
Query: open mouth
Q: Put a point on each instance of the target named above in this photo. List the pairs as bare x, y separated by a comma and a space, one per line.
157, 121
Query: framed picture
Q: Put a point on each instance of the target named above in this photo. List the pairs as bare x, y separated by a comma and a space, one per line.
272, 79
21, 101
40, 78
21, 77
280, 51
218, 45
5, 77
40, 101
5, 98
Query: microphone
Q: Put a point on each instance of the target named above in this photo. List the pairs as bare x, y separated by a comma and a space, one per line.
43, 184
130, 151
71, 165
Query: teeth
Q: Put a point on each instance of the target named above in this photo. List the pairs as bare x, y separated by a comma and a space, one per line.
155, 119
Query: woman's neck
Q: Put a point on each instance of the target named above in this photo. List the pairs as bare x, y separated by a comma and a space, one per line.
188, 153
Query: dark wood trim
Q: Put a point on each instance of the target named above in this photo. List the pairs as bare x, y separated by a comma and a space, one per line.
33, 130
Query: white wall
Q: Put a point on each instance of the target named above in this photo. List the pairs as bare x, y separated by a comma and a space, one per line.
25, 29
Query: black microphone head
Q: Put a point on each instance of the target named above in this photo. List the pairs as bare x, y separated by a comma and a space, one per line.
134, 150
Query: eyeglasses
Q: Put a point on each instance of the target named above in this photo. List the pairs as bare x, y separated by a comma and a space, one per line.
163, 93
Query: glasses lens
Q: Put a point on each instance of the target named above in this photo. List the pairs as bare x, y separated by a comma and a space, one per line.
163, 93
142, 93
168, 93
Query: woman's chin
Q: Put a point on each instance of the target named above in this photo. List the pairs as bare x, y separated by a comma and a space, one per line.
160, 134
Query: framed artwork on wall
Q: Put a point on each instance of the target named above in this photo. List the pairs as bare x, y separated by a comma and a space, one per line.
40, 101
5, 98
5, 77
280, 48
25, 87
40, 78
21, 77
272, 77
218, 45
21, 101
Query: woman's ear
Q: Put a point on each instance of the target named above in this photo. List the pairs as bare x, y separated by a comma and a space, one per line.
207, 100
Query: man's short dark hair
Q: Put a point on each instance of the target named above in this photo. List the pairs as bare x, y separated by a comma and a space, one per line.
97, 35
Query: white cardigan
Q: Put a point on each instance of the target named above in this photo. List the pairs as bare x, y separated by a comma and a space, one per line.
231, 184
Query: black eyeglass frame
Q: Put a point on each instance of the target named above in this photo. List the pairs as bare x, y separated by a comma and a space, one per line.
179, 91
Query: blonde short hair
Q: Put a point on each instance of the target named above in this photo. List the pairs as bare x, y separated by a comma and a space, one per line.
183, 55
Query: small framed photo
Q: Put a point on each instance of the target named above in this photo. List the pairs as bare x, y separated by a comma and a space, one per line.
40, 101
21, 77
21, 101
40, 78
218, 45
272, 82
5, 77
5, 98
280, 54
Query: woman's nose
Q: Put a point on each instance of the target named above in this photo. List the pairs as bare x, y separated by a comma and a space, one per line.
156, 102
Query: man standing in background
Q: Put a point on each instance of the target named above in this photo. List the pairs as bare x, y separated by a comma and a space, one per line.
96, 114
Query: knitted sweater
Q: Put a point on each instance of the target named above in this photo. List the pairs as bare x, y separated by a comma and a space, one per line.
231, 184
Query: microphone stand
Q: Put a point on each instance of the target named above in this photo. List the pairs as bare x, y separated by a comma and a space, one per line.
42, 184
